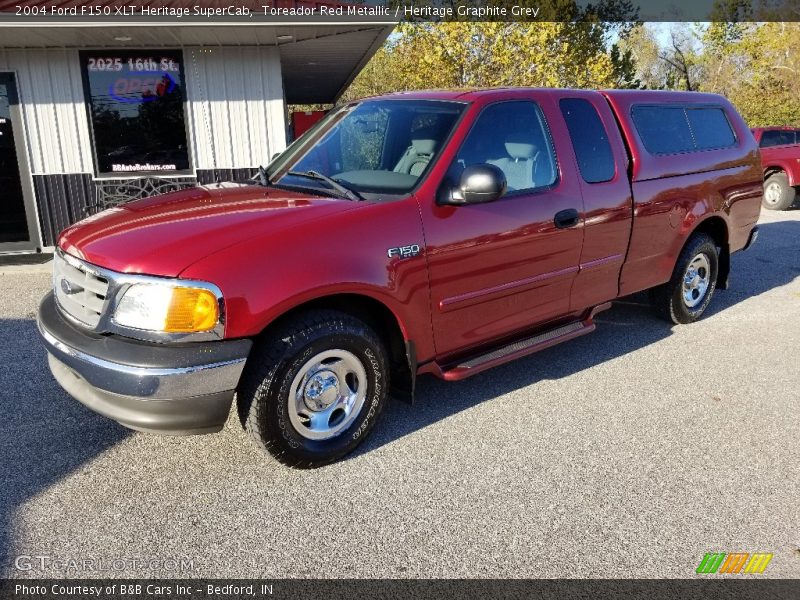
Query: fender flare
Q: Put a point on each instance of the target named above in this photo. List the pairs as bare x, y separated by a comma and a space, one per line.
786, 167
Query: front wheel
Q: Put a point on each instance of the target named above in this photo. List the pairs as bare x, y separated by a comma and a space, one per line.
685, 297
314, 388
778, 194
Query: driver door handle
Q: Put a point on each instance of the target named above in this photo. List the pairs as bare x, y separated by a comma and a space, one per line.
566, 218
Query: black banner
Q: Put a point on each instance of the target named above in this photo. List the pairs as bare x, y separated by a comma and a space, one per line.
428, 589
392, 11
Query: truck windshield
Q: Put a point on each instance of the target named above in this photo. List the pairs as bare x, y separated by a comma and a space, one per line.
376, 147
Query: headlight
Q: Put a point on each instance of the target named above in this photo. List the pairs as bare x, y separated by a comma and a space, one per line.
168, 307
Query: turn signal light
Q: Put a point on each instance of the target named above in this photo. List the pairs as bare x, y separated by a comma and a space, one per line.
190, 310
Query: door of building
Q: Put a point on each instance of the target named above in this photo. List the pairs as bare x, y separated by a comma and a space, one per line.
18, 231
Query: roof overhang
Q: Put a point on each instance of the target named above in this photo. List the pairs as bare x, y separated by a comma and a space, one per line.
318, 60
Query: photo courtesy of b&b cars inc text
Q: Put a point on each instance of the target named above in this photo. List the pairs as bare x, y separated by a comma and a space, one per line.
399, 299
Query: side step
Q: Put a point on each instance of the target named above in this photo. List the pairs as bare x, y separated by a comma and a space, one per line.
518, 349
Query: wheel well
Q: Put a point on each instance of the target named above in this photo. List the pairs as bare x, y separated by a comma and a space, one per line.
717, 230
381, 319
771, 171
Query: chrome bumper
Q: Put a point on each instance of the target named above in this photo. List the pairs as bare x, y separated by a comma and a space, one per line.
152, 387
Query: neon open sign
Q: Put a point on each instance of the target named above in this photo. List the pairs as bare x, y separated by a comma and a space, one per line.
144, 86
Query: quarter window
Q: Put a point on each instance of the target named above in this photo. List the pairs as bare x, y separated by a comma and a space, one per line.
663, 129
710, 128
671, 129
589, 139
136, 107
513, 137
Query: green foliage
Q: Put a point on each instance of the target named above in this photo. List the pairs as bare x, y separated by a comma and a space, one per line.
578, 53
755, 65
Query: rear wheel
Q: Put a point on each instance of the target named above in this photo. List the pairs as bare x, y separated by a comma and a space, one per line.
778, 194
688, 293
314, 388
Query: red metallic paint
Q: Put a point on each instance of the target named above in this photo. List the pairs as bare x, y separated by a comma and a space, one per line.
268, 274
674, 194
486, 272
165, 234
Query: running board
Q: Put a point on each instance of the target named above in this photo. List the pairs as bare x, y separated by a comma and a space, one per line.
518, 349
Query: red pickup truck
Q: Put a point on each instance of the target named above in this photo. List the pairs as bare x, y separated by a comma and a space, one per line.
428, 232
780, 159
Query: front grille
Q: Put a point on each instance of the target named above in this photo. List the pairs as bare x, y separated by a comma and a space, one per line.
80, 293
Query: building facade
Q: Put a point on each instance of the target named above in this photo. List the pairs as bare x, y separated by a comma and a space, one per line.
94, 116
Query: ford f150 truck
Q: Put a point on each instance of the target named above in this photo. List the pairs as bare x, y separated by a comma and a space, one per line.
780, 159
430, 232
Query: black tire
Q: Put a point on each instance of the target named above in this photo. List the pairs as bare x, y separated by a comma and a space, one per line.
778, 194
668, 300
263, 395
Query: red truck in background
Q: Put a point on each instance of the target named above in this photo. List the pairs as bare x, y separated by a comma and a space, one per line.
426, 232
780, 158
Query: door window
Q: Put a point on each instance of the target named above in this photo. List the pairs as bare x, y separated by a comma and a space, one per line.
513, 137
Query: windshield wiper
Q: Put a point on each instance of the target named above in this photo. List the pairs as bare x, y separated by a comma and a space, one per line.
342, 190
261, 177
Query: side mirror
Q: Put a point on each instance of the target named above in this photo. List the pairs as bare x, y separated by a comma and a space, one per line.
478, 184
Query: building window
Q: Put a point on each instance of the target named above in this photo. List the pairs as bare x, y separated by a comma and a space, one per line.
136, 107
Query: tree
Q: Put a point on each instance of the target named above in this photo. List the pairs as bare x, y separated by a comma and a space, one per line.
757, 67
575, 51
675, 65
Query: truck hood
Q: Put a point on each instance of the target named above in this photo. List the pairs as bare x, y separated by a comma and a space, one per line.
163, 235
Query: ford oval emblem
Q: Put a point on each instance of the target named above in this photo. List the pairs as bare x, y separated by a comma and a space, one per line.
67, 288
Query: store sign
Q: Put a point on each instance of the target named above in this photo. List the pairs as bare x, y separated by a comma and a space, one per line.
141, 87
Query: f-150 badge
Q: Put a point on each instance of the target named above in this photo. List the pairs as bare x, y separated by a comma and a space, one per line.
404, 251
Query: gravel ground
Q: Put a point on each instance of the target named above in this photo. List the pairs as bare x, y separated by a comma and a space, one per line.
630, 452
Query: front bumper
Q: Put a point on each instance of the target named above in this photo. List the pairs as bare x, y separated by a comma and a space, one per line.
169, 389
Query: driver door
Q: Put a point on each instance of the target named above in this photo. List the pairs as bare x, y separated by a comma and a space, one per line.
504, 266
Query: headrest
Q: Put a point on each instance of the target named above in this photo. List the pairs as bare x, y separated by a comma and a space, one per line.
520, 150
423, 146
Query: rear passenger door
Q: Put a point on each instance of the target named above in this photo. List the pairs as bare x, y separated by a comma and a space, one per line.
504, 266
602, 162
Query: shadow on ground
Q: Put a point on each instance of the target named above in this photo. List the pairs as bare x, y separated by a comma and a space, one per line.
44, 434
28, 258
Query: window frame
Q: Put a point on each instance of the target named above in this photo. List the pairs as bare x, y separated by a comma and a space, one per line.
684, 106
548, 136
191, 171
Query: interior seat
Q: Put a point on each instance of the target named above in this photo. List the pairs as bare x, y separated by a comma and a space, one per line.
519, 166
418, 154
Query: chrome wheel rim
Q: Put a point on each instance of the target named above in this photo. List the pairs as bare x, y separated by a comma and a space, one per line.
327, 394
696, 281
772, 194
